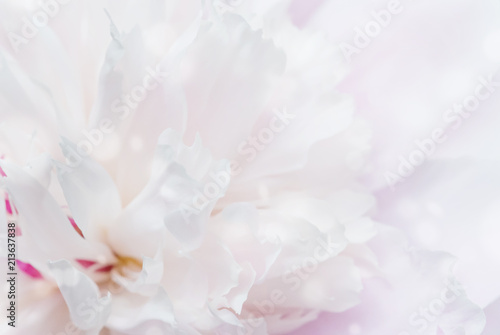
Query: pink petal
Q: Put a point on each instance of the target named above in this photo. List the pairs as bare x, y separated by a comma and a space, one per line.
85, 263
29, 270
73, 223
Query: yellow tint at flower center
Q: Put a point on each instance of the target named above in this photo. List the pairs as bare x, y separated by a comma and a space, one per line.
125, 265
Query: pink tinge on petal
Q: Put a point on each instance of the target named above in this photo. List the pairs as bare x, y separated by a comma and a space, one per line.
75, 226
2, 173
29, 270
106, 268
8, 207
85, 263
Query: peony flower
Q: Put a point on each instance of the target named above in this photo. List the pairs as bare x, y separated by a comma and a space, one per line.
185, 167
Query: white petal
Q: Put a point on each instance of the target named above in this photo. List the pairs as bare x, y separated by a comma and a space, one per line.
90, 192
44, 219
227, 76
131, 311
89, 311
186, 182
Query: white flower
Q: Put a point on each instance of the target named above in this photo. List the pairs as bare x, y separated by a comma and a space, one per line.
205, 180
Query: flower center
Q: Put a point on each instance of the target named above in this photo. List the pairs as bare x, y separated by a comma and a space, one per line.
127, 265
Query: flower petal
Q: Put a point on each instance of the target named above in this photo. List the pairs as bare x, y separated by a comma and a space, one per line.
90, 192
43, 218
89, 311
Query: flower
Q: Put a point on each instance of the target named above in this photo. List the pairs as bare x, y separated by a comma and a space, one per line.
194, 173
